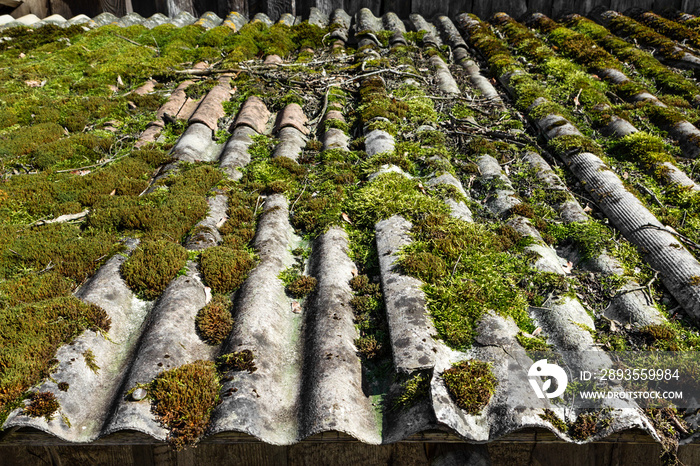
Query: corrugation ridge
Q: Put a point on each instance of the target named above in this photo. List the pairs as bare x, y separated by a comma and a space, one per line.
332, 394
265, 403
629, 303
169, 341
86, 403
410, 329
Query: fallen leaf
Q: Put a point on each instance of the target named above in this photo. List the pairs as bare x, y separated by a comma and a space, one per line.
422, 189
354, 271
22, 55
131, 105
120, 83
35, 83
507, 170
587, 209
625, 175
114, 191
537, 331
576, 102
568, 267
296, 307
346, 218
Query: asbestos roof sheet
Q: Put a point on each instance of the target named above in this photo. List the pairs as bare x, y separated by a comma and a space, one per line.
386, 206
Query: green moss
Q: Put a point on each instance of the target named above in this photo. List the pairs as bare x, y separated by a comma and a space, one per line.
549, 416
585, 427
35, 287
224, 269
413, 389
152, 266
63, 248
643, 62
369, 347
63, 386
214, 321
387, 195
481, 277
574, 144
424, 265
183, 400
33, 333
243, 360
471, 385
531, 343
42, 404
90, 361
301, 286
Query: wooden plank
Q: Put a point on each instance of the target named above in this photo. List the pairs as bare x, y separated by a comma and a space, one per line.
460, 6
36, 7
515, 8
227, 6
145, 8
116, 7
353, 6
622, 5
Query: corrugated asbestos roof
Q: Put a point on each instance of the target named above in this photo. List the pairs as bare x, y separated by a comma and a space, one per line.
310, 377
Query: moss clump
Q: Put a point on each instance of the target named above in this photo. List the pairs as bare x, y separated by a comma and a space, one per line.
424, 265
301, 286
553, 419
362, 285
63, 386
369, 347
152, 266
412, 391
243, 360
34, 287
658, 333
585, 427
214, 321
531, 343
90, 361
574, 144
224, 269
471, 384
387, 195
183, 400
42, 404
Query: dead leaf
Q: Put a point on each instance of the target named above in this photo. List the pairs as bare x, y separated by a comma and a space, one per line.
422, 189
346, 218
625, 175
537, 331
132, 105
354, 271
35, 83
114, 191
120, 83
576, 102
568, 267
22, 55
296, 307
587, 209
507, 170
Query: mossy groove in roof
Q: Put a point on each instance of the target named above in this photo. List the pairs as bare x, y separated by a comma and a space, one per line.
375, 156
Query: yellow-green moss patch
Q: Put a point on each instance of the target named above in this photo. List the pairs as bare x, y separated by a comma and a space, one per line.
152, 266
183, 399
224, 269
471, 385
214, 321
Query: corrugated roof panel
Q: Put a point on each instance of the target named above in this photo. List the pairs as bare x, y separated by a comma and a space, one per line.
308, 373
